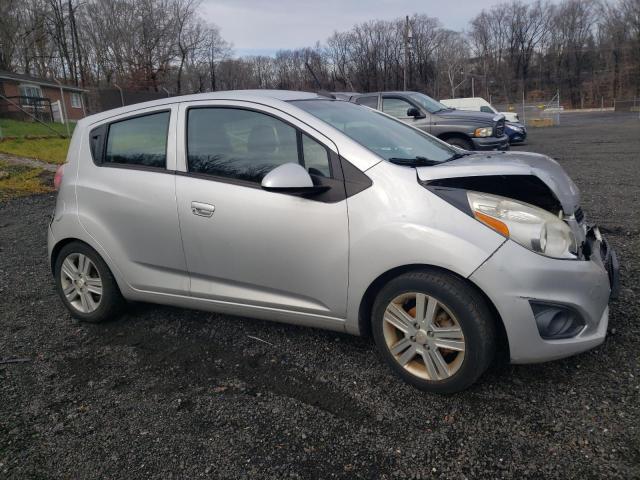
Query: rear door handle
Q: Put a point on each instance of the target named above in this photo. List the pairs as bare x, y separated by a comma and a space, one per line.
202, 209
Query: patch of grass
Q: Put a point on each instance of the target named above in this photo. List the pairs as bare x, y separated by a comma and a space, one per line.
50, 150
20, 180
16, 128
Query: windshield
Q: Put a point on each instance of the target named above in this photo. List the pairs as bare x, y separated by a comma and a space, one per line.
386, 137
428, 103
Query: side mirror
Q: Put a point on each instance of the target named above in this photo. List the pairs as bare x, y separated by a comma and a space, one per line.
414, 112
291, 178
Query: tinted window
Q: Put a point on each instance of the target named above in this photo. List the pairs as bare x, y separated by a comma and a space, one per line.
396, 107
428, 103
486, 109
240, 144
384, 136
139, 141
369, 101
315, 157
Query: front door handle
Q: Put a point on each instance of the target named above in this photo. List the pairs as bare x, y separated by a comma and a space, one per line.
202, 209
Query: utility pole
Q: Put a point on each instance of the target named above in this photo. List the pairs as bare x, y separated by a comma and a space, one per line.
64, 109
473, 87
406, 50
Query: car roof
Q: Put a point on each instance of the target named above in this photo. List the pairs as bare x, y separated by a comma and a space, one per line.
395, 92
266, 97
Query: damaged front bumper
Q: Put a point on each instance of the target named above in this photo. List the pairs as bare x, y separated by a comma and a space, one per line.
521, 284
597, 247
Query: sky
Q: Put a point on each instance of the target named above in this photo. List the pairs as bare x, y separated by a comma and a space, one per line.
261, 27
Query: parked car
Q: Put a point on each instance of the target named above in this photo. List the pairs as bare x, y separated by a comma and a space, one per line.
516, 132
478, 104
470, 131
294, 207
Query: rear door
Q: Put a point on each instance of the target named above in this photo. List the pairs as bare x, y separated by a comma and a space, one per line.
249, 247
126, 197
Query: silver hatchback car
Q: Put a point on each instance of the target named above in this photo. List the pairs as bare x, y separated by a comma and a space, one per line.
294, 207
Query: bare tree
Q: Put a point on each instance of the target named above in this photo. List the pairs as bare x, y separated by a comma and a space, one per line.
589, 49
452, 55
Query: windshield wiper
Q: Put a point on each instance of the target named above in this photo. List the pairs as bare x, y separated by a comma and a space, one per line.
414, 162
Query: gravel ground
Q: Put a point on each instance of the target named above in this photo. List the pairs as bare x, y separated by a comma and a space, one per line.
171, 393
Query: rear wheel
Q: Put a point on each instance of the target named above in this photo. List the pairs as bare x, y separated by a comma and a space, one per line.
434, 330
460, 142
85, 284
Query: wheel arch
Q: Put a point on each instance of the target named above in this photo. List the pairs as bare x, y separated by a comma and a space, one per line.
366, 303
449, 135
55, 251
60, 244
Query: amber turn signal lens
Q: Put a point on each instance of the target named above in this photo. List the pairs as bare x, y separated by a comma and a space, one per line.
497, 225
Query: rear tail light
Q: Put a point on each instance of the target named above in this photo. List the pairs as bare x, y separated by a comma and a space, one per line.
57, 179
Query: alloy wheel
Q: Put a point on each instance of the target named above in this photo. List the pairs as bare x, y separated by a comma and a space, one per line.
423, 336
81, 283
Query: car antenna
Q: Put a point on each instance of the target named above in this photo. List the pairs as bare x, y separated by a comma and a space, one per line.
320, 91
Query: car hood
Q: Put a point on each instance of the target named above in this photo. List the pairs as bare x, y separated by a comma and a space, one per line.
465, 116
510, 163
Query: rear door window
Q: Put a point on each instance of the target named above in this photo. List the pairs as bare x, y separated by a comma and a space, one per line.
139, 141
369, 101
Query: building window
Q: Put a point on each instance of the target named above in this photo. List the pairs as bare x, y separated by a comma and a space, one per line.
30, 96
30, 91
76, 100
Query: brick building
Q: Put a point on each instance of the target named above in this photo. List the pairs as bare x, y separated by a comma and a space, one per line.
39, 97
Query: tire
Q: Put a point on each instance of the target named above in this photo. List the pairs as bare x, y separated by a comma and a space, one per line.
85, 278
462, 320
460, 142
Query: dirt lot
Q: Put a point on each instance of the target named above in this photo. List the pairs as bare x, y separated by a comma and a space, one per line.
169, 393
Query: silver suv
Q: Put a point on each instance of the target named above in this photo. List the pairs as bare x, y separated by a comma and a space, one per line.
293, 207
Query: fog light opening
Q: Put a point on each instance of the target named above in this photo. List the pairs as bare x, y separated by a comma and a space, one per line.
555, 322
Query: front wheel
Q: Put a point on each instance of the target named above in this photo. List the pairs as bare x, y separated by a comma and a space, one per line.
461, 143
434, 330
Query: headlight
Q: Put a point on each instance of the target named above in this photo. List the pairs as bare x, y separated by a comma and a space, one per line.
531, 227
483, 132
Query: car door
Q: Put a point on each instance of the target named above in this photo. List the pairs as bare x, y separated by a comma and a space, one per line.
397, 107
127, 199
248, 247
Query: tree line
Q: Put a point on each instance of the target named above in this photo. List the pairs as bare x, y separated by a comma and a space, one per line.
587, 49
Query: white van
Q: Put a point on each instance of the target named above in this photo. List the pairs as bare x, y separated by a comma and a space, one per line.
478, 104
